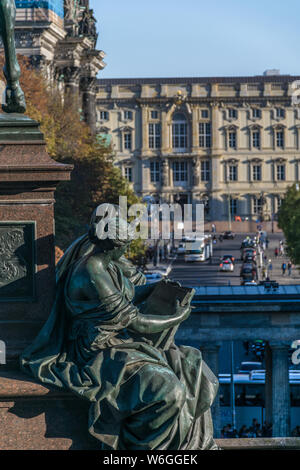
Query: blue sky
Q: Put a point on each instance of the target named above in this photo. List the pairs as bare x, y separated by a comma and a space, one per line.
172, 38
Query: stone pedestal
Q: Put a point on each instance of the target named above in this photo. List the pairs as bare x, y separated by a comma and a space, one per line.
28, 179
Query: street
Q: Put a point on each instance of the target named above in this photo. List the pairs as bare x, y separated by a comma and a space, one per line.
208, 272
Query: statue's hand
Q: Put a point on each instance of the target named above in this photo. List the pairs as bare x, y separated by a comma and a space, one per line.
181, 311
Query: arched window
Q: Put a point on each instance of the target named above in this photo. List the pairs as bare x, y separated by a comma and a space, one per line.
179, 132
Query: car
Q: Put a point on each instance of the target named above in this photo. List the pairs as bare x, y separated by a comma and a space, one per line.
227, 265
246, 282
181, 249
231, 257
248, 253
249, 272
228, 235
153, 276
250, 258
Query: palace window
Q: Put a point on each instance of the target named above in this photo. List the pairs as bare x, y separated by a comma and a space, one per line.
179, 132
204, 114
127, 114
155, 172
280, 138
127, 141
256, 172
280, 113
154, 114
232, 139
205, 134
205, 170
104, 115
232, 113
233, 206
257, 205
180, 173
128, 173
154, 136
256, 113
280, 172
256, 139
232, 172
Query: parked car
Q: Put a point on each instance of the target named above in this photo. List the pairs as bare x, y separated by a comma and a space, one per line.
227, 265
228, 235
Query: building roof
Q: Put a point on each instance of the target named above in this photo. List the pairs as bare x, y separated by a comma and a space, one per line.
283, 294
181, 80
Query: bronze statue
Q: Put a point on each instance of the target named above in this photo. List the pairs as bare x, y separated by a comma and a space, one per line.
15, 100
103, 342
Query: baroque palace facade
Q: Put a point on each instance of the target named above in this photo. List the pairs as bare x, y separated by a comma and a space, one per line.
231, 143
60, 38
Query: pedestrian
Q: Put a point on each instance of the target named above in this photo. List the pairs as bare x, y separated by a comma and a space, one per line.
289, 266
213, 228
270, 267
267, 243
283, 268
276, 252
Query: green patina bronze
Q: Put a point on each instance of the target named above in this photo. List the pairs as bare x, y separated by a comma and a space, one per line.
15, 100
145, 392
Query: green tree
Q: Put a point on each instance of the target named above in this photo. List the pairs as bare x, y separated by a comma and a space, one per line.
94, 179
289, 222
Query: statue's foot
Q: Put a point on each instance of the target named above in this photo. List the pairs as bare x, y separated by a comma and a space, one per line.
15, 100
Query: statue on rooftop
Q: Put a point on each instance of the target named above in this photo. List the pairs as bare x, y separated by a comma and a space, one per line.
110, 340
15, 100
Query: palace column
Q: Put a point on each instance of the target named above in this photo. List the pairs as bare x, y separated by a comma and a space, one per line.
87, 88
165, 132
195, 142
145, 145
210, 354
216, 204
280, 389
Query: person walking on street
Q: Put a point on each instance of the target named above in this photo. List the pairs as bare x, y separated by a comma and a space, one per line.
283, 267
270, 268
276, 252
289, 267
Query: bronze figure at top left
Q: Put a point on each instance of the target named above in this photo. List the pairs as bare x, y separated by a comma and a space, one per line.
15, 100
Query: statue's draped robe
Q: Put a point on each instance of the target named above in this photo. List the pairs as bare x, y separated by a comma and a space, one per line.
88, 348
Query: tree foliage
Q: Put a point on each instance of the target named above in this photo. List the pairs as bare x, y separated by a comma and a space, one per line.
289, 222
94, 179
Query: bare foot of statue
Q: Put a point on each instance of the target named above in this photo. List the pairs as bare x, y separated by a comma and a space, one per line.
15, 99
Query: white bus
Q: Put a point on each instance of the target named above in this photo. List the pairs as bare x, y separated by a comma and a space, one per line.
199, 249
250, 397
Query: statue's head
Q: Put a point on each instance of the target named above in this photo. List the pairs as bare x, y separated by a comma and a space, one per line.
110, 232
